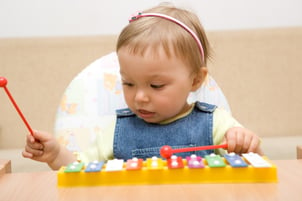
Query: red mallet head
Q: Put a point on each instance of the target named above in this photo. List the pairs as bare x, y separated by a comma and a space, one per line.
3, 81
166, 151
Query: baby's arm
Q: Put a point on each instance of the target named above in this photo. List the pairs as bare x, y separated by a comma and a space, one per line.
43, 147
227, 129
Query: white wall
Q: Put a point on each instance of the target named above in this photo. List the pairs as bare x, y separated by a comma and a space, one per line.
90, 17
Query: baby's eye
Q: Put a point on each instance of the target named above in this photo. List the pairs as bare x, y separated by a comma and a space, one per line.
128, 84
157, 86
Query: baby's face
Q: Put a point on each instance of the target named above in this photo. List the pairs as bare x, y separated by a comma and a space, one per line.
155, 87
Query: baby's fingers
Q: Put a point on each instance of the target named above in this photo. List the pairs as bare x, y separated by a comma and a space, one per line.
33, 143
26, 154
231, 140
246, 144
31, 152
254, 145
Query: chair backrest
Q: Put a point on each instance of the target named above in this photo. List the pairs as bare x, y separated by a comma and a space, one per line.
96, 92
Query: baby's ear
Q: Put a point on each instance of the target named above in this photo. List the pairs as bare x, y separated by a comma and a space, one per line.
199, 78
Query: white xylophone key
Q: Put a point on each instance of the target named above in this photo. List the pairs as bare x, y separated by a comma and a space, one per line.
255, 160
114, 165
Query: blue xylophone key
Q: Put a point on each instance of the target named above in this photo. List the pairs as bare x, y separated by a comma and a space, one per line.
235, 160
94, 166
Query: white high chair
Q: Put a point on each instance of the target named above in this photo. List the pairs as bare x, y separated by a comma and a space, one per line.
96, 92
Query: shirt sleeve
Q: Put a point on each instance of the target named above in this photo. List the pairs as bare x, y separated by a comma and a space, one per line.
222, 122
101, 149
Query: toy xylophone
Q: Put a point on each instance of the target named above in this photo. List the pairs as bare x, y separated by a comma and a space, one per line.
231, 168
194, 169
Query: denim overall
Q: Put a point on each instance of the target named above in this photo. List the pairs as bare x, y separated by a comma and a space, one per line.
134, 137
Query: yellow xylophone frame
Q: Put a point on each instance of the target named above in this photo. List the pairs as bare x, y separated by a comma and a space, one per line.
164, 175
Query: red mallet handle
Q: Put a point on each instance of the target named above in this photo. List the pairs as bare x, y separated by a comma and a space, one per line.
166, 151
3, 83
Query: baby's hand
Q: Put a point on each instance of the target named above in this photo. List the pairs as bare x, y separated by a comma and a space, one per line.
41, 146
241, 140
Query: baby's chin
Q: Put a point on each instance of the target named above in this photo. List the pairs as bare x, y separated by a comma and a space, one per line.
150, 120
158, 121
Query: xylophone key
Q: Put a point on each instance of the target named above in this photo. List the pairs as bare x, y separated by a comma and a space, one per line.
114, 165
134, 164
215, 160
194, 161
74, 167
155, 163
94, 166
175, 162
235, 160
255, 160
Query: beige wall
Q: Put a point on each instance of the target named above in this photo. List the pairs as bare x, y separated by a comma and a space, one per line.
258, 70
38, 71
260, 74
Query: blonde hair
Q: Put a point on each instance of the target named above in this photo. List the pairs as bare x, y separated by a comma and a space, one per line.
155, 32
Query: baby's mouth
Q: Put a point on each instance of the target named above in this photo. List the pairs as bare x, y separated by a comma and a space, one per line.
145, 114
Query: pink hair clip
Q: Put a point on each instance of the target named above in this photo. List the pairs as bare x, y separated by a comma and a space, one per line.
135, 16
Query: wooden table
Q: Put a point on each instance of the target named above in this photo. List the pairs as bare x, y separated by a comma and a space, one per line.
42, 186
